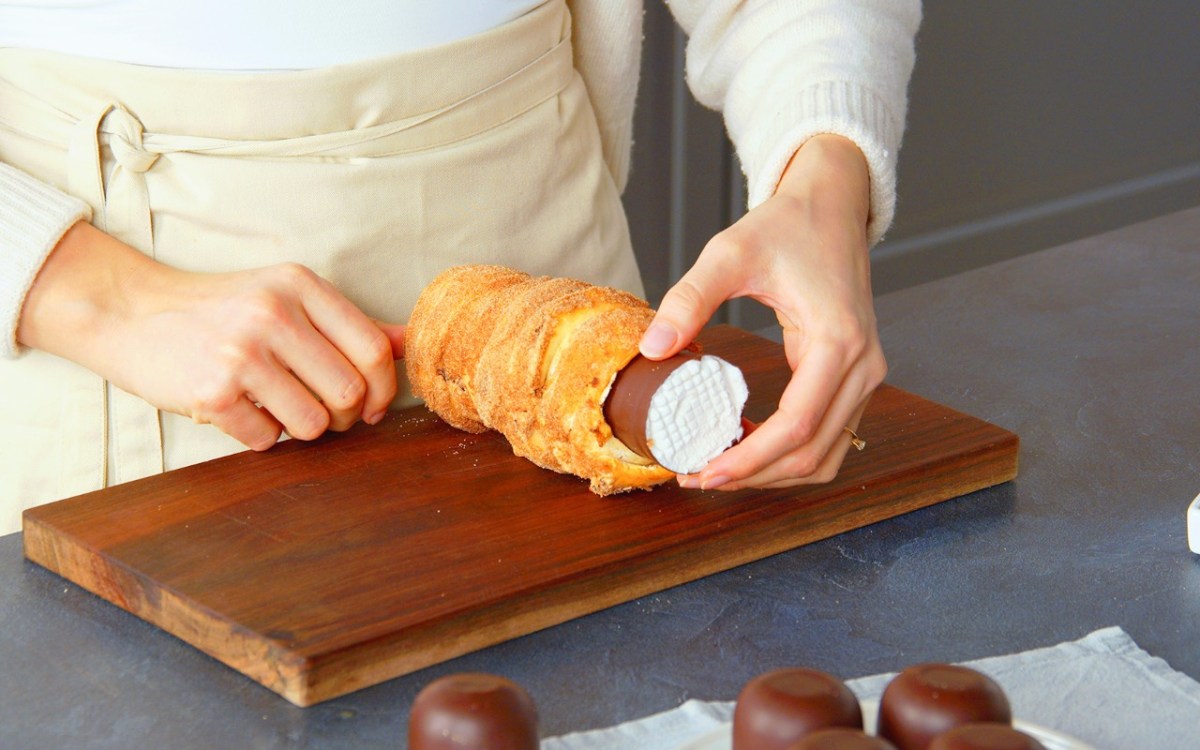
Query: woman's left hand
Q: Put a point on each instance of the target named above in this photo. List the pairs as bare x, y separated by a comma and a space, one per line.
804, 253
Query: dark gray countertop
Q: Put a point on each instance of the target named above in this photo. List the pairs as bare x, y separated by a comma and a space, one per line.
1090, 352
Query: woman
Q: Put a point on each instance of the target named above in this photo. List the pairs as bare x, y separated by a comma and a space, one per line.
213, 217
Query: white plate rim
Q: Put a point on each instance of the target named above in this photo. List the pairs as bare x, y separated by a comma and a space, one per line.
721, 738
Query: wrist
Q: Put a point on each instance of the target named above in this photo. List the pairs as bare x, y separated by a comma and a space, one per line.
81, 292
830, 171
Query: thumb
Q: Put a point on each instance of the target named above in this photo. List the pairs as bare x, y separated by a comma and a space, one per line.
395, 334
687, 306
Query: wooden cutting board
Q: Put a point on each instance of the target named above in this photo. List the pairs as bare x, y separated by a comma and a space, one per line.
318, 569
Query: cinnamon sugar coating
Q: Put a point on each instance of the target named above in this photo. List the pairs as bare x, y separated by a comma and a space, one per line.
488, 347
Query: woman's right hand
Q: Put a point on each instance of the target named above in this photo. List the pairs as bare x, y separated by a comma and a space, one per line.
255, 353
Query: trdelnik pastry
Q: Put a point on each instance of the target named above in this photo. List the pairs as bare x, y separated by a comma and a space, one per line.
553, 365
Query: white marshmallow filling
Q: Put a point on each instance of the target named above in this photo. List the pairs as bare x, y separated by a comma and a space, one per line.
696, 414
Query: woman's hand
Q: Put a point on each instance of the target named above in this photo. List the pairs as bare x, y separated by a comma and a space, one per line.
255, 353
804, 253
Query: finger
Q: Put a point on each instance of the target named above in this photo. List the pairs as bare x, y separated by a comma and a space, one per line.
782, 473
369, 352
288, 400
360, 341
689, 304
807, 396
826, 472
253, 427
373, 355
395, 334
320, 368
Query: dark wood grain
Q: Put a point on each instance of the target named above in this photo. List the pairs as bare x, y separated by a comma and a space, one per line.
318, 569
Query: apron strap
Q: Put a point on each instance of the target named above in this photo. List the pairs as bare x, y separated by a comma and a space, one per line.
131, 440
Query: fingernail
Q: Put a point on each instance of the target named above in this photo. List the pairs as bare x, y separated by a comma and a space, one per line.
657, 340
689, 481
375, 418
713, 482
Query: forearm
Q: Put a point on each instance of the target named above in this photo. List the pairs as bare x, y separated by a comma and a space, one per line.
33, 218
830, 173
83, 289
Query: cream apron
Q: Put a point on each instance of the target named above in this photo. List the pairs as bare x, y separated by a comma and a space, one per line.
376, 175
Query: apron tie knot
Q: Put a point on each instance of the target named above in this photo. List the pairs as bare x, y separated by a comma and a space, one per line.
107, 169
125, 140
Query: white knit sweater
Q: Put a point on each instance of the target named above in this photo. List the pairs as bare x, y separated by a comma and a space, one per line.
781, 71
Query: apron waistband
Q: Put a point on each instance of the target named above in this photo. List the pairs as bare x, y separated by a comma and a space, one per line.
121, 196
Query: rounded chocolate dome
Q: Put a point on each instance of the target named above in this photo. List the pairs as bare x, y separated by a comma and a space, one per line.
776, 709
472, 711
927, 699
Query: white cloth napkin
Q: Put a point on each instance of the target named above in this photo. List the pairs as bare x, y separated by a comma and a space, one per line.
1101, 689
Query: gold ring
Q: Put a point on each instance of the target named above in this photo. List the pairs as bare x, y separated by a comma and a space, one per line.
855, 440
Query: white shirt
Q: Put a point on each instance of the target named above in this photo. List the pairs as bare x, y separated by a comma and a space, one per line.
246, 34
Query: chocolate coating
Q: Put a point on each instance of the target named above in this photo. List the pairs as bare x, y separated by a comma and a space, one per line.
984, 737
927, 699
628, 402
776, 709
473, 712
841, 739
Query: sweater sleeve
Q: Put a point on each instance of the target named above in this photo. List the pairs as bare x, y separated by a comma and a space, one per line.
33, 218
782, 71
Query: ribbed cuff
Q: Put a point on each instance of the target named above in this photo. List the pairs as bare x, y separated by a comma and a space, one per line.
835, 107
33, 218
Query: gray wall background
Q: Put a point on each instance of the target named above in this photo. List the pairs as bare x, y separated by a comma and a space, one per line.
1031, 123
